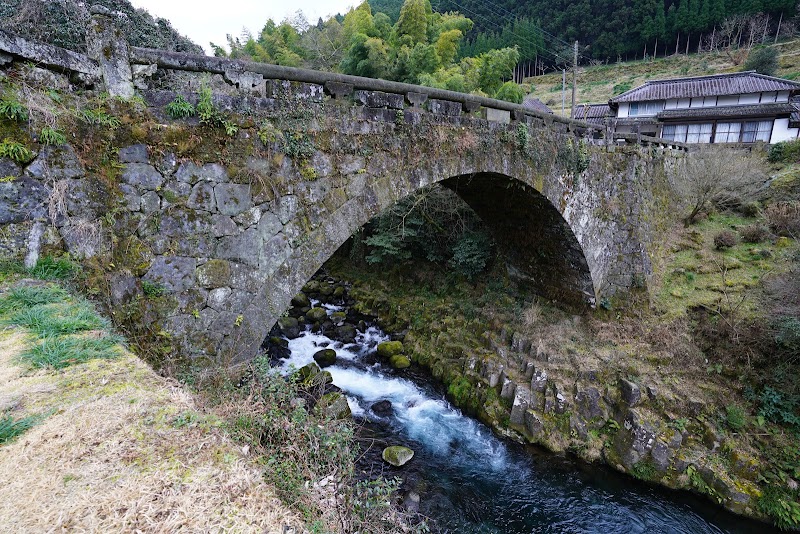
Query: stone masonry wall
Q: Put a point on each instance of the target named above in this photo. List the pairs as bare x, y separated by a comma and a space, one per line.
232, 232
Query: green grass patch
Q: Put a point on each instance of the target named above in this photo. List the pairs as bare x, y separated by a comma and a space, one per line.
29, 296
11, 428
68, 329
49, 268
58, 319
58, 352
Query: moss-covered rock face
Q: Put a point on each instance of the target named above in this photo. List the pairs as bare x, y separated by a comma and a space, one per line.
397, 455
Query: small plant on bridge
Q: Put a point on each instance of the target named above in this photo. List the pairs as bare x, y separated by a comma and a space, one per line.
98, 117
180, 108
51, 136
211, 116
12, 109
15, 151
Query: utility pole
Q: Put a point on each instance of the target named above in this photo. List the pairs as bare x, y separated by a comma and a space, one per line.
563, 90
574, 74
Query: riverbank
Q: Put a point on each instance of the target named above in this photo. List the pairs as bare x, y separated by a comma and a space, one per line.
94, 440
646, 392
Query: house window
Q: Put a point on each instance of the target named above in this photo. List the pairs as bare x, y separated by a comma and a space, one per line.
699, 133
642, 109
756, 131
728, 132
687, 133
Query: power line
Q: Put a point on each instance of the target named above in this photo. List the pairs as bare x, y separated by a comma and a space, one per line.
537, 46
544, 33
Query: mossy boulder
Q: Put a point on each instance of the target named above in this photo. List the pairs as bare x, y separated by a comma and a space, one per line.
387, 349
334, 405
397, 455
339, 292
315, 315
338, 318
312, 375
325, 357
399, 361
312, 286
301, 300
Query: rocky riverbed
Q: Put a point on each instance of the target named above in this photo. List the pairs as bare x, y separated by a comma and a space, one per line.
523, 393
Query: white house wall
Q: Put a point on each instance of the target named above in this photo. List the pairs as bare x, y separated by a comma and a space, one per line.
729, 100
782, 132
783, 96
622, 112
752, 98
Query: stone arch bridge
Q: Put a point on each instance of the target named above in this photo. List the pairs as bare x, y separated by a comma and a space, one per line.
233, 226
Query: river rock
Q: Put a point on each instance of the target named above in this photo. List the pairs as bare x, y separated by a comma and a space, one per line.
387, 349
346, 333
312, 375
338, 318
399, 361
339, 292
397, 455
289, 327
382, 408
278, 348
315, 315
334, 405
312, 286
325, 357
301, 300
411, 501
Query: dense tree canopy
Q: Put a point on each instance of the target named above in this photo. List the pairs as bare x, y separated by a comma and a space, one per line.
422, 46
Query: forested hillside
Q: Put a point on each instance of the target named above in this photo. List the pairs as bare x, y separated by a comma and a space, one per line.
64, 24
609, 29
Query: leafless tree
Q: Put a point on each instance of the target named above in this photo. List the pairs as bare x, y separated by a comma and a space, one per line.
719, 177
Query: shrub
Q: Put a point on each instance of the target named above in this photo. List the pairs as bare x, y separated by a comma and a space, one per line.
510, 92
471, 253
725, 239
763, 60
783, 218
735, 417
750, 209
15, 151
754, 233
180, 108
785, 152
719, 177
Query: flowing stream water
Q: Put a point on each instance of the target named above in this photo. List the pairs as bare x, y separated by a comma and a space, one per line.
472, 482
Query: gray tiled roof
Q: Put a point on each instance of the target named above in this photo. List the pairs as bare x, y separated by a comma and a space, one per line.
717, 85
584, 112
535, 103
755, 110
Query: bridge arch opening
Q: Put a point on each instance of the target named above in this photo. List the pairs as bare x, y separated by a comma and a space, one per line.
534, 240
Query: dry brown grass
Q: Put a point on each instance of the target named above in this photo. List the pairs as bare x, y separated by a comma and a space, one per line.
122, 450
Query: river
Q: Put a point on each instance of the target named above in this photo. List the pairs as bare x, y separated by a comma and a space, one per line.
473, 482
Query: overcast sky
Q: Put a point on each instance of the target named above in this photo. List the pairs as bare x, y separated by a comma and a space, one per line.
205, 20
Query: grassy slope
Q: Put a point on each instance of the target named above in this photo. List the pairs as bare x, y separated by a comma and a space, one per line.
117, 448
598, 84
